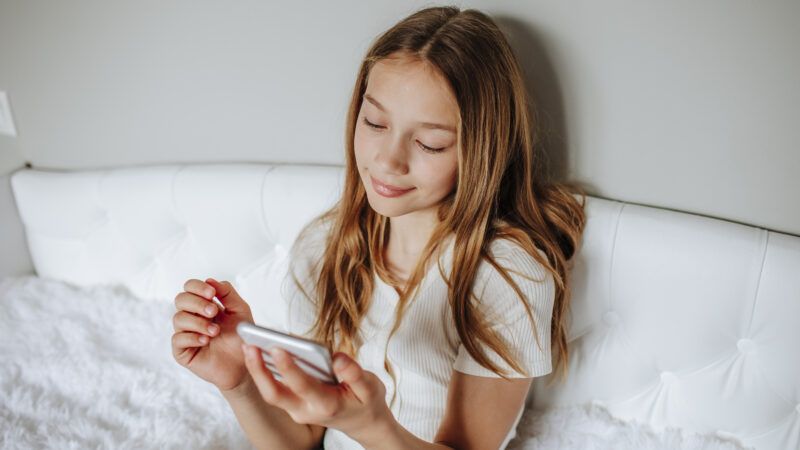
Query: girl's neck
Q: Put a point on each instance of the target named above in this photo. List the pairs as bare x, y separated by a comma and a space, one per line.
408, 235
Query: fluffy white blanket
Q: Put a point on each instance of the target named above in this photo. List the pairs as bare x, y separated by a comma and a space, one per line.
92, 368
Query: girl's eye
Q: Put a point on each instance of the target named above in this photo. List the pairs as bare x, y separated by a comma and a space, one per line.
371, 125
423, 146
429, 149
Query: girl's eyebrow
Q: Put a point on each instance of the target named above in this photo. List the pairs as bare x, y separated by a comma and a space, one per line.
431, 125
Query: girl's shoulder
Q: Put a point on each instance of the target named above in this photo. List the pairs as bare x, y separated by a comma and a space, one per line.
515, 259
308, 249
507, 252
511, 251
311, 240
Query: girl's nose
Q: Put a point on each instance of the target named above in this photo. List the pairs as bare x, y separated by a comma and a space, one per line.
392, 158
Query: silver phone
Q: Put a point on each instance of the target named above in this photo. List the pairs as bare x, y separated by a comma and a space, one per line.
311, 356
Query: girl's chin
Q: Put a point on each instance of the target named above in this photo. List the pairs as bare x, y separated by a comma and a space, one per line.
387, 210
389, 207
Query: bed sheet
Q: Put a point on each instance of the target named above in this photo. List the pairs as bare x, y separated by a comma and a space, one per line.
91, 367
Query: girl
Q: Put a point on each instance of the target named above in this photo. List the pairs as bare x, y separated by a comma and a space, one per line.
440, 276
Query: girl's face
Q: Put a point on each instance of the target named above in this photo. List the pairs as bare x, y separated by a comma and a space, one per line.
405, 138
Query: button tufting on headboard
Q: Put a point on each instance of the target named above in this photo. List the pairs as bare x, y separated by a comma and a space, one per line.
611, 318
668, 377
746, 346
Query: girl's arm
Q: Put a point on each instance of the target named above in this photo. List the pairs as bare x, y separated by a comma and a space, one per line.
267, 426
467, 423
357, 406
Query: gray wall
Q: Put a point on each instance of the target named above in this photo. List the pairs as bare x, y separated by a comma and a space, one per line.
684, 105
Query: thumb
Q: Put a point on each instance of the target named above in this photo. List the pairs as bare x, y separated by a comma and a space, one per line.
364, 384
226, 294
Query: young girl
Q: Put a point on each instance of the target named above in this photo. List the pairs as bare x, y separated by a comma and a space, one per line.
440, 276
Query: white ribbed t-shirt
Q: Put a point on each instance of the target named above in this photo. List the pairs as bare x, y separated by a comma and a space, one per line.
426, 349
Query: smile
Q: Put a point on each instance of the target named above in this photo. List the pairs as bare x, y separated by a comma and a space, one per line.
388, 190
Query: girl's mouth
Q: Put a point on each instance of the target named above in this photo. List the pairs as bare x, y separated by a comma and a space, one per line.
387, 190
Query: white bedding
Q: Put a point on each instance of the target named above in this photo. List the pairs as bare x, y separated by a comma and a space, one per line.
92, 368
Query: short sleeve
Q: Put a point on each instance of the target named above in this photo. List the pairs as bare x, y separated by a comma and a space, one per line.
505, 314
299, 285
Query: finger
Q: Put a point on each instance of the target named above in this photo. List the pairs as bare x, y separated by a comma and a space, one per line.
185, 321
186, 301
272, 390
184, 346
227, 295
302, 384
200, 288
365, 385
188, 339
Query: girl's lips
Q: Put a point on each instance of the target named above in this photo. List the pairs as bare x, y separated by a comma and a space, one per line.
387, 190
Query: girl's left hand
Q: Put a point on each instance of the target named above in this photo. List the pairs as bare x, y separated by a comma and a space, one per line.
355, 405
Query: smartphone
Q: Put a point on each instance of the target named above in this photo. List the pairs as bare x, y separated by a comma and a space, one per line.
311, 356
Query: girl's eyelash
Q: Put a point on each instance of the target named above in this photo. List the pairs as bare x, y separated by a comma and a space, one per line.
370, 124
431, 150
424, 147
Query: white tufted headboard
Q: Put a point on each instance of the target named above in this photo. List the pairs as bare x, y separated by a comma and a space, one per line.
678, 320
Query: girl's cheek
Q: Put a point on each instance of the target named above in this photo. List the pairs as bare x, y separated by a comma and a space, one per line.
361, 149
426, 172
368, 148
443, 175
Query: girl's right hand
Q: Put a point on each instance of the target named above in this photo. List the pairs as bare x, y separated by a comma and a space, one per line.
205, 339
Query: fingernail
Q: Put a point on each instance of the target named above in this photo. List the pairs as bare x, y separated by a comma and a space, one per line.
209, 310
203, 339
279, 354
212, 329
339, 363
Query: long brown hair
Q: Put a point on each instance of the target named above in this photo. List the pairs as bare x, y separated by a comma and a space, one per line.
512, 200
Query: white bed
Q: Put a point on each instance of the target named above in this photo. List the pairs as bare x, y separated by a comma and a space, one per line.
90, 367
684, 335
